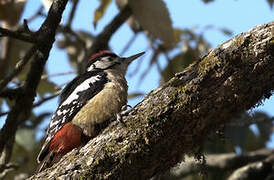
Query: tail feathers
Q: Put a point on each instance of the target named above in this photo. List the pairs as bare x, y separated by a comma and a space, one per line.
48, 161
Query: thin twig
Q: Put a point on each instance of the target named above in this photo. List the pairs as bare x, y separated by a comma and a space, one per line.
5, 169
68, 30
35, 15
245, 119
26, 28
137, 68
72, 13
152, 60
101, 41
17, 35
6, 154
46, 76
129, 43
23, 105
43, 100
4, 113
18, 68
46, 99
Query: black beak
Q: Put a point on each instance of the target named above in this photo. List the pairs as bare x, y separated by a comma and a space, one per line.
132, 58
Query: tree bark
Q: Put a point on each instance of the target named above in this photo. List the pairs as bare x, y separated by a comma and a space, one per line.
175, 119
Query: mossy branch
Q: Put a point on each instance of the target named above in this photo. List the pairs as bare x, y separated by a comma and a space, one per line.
176, 118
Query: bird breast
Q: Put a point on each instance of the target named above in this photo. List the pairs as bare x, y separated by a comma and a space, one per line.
103, 106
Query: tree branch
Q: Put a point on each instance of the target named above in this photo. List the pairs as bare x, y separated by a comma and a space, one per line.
17, 35
176, 118
45, 38
19, 67
101, 41
253, 171
72, 13
217, 162
13, 93
10, 93
6, 169
45, 99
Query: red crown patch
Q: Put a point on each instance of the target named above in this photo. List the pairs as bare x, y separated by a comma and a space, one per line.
100, 53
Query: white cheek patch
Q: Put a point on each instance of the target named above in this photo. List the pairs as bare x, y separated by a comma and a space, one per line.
91, 67
103, 63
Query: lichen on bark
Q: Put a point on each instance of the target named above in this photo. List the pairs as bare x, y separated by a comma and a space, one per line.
175, 119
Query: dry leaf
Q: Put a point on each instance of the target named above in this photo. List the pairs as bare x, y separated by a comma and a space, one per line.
153, 16
100, 11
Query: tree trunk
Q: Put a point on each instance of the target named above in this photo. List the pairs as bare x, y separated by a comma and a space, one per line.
175, 119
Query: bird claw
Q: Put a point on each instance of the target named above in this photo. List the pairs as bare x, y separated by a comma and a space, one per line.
124, 112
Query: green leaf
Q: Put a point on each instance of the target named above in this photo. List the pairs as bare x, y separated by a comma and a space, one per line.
25, 159
46, 86
16, 51
178, 63
226, 31
75, 48
153, 16
177, 35
121, 3
25, 138
100, 11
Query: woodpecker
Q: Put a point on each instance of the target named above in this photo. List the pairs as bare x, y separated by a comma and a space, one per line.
86, 105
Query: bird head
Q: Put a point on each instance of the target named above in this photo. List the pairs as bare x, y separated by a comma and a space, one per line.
106, 59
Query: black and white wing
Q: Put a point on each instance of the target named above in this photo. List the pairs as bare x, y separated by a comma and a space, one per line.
74, 96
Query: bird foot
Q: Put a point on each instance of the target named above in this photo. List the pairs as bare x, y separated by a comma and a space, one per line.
124, 112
